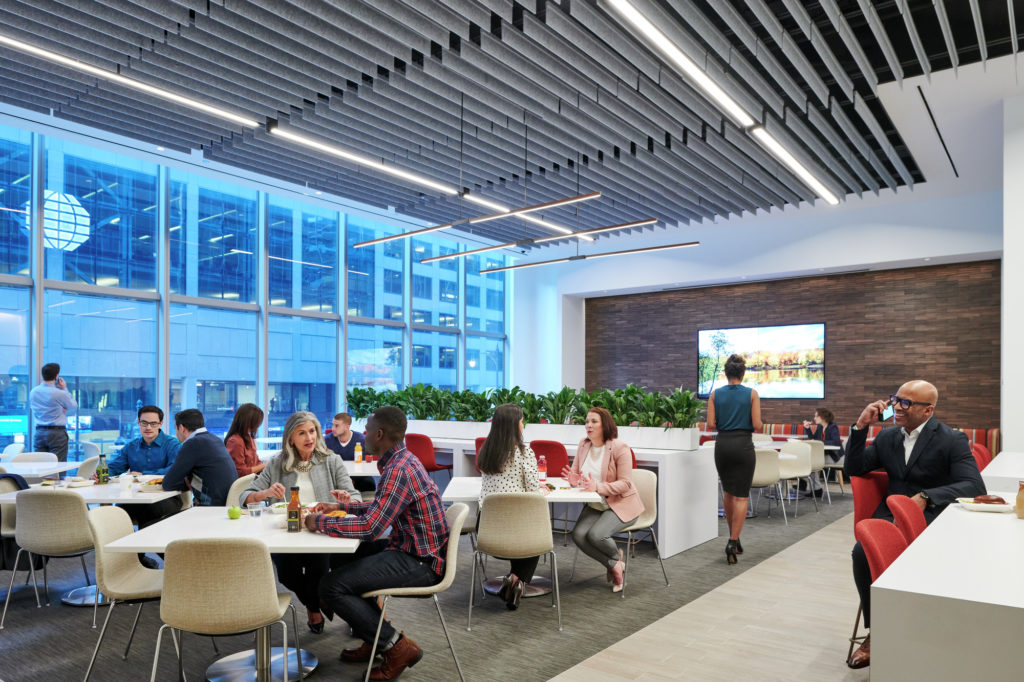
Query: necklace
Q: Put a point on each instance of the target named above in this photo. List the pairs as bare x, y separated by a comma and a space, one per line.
304, 466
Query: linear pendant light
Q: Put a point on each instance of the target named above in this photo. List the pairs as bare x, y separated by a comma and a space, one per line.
127, 82
519, 266
503, 214
523, 242
663, 44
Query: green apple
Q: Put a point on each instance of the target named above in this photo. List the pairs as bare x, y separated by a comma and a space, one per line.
234, 512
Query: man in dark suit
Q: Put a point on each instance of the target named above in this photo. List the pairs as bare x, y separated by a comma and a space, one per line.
203, 463
926, 460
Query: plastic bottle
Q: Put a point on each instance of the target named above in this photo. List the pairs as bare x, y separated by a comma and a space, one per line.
359, 453
102, 471
1020, 501
294, 512
542, 468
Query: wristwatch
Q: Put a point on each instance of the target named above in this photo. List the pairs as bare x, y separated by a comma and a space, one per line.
926, 498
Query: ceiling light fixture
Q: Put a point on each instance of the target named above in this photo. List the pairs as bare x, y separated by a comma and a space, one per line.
663, 44
127, 82
505, 212
593, 255
524, 242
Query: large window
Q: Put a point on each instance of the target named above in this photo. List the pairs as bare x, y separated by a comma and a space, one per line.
375, 273
485, 363
99, 217
435, 286
302, 253
14, 379
487, 311
374, 356
302, 357
212, 362
15, 190
434, 359
106, 348
213, 238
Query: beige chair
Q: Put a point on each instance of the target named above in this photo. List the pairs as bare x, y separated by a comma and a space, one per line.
88, 467
12, 449
837, 466
52, 523
119, 576
796, 466
34, 457
204, 593
8, 512
89, 449
766, 475
237, 488
818, 465
456, 516
646, 483
515, 526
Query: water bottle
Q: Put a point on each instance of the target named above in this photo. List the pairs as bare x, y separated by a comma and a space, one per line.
102, 471
542, 468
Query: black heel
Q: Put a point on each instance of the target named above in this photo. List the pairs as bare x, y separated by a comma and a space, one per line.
730, 552
739, 546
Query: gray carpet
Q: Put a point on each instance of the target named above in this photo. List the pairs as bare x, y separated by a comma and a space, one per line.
54, 644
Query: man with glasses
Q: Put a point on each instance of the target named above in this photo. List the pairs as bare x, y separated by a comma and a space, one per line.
926, 460
152, 452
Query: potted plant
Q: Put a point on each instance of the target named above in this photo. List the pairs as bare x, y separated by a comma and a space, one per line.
681, 410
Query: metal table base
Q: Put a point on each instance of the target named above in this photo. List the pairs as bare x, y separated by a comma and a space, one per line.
241, 667
84, 596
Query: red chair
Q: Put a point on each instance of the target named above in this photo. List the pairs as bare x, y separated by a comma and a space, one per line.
423, 448
706, 438
634, 457
557, 458
909, 517
479, 444
981, 455
868, 492
882, 542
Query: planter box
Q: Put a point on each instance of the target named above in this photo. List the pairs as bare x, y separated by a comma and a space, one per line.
660, 437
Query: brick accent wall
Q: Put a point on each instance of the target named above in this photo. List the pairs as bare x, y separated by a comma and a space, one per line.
882, 328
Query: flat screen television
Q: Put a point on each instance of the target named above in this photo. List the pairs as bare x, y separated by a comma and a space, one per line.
786, 361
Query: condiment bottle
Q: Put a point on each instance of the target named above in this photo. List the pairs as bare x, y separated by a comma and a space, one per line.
294, 512
359, 453
542, 468
102, 471
1020, 501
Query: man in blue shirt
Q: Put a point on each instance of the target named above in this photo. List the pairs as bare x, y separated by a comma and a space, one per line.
50, 402
343, 440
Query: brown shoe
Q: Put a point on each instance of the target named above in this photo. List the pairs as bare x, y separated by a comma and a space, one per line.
358, 655
404, 654
862, 656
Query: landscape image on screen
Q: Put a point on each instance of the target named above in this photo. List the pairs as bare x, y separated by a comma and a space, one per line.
782, 362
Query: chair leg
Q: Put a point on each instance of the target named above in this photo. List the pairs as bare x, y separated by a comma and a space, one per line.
284, 646
156, 652
85, 570
376, 638
298, 651
625, 565
131, 635
854, 638
180, 645
472, 594
10, 588
99, 641
824, 484
554, 588
574, 557
782, 504
451, 646
657, 550
813, 496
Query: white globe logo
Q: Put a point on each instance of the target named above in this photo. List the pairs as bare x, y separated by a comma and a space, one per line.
65, 221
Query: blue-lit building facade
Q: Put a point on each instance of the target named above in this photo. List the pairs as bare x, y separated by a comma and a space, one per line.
184, 286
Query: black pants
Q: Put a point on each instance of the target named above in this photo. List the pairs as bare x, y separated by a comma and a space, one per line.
301, 573
862, 578
143, 515
52, 439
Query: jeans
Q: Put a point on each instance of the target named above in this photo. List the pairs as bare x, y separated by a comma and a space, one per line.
372, 567
52, 439
593, 534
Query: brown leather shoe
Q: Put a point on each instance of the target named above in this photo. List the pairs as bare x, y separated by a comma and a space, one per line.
404, 654
862, 656
357, 655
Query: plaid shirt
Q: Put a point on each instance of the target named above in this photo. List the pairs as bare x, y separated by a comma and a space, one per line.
408, 502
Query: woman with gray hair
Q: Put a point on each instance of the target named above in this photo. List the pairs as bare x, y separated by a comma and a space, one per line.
304, 462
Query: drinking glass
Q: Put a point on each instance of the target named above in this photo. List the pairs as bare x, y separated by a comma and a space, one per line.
255, 509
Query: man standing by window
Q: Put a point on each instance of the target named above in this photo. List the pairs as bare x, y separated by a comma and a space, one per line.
50, 402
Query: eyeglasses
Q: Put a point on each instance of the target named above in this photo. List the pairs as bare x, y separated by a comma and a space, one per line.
150, 424
905, 403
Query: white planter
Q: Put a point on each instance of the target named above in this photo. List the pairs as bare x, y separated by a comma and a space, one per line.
563, 433
660, 437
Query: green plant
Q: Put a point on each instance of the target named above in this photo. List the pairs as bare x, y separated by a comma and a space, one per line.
583, 402
532, 405
514, 395
681, 409
469, 405
649, 409
557, 407
361, 401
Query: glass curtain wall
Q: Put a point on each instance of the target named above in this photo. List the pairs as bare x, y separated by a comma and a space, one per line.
293, 339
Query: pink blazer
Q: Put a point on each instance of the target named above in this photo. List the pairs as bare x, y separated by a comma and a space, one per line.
617, 488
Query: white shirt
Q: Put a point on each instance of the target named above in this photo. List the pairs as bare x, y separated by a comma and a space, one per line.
592, 465
909, 439
307, 496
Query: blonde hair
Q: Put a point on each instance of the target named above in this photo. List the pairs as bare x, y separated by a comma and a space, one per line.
288, 454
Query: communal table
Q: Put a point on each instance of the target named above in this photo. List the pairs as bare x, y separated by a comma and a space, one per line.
951, 607
39, 469
213, 522
1004, 472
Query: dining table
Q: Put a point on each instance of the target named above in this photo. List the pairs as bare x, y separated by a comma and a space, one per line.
38, 469
265, 662
1004, 472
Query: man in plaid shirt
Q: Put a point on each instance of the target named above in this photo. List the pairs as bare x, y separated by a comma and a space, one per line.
408, 503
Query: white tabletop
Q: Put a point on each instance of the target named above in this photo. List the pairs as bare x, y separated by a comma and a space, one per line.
268, 440
1004, 472
467, 489
112, 493
213, 522
38, 469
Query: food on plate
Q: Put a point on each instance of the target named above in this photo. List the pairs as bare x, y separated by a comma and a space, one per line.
550, 486
338, 513
234, 512
989, 499
155, 481
48, 483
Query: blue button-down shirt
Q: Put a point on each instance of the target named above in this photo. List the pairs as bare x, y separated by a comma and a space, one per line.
50, 405
146, 458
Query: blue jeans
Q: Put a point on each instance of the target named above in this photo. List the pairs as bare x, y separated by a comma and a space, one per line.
372, 567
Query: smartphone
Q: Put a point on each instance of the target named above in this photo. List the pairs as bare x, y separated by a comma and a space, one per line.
887, 413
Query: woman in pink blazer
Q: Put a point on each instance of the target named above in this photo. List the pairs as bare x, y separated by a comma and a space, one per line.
604, 465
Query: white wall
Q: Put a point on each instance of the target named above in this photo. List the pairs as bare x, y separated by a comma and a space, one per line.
912, 228
1012, 370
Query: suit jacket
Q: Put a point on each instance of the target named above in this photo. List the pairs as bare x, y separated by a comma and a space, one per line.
941, 465
204, 465
617, 488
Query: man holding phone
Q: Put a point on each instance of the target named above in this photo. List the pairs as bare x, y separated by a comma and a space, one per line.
50, 402
926, 460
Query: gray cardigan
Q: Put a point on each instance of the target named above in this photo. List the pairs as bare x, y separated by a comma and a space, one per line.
327, 476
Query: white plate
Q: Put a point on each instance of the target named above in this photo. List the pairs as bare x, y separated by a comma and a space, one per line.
80, 484
969, 503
